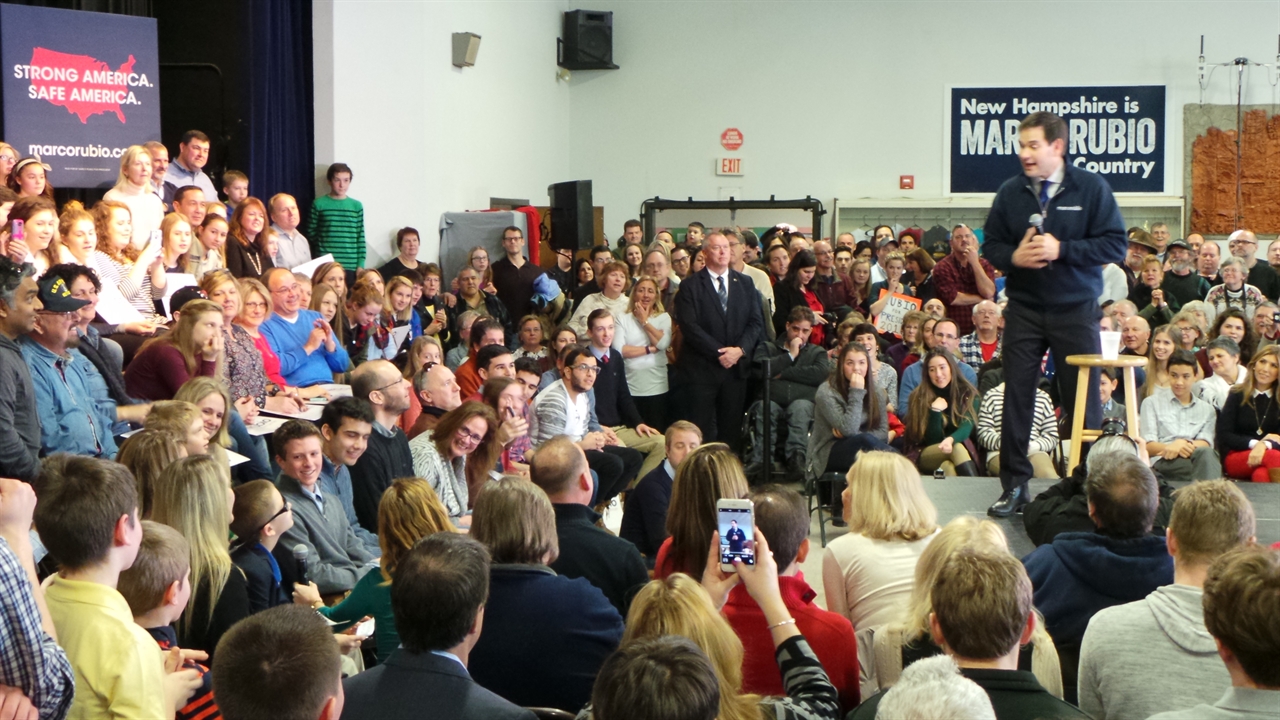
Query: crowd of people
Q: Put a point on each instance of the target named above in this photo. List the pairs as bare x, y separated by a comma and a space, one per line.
423, 459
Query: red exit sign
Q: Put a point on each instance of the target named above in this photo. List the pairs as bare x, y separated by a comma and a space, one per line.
729, 166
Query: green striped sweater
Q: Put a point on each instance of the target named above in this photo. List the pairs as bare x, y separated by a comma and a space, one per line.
337, 227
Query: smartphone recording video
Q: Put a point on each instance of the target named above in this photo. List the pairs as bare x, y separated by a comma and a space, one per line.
737, 532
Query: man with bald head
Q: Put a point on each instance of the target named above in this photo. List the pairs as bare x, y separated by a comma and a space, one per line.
1135, 333
834, 289
438, 392
292, 247
387, 456
1208, 260
587, 551
1244, 245
963, 279
983, 343
309, 351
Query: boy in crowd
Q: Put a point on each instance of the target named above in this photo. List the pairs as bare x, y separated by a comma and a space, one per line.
88, 519
644, 516
280, 663
336, 558
235, 187
346, 425
982, 616
1111, 407
336, 225
1155, 655
157, 587
259, 518
781, 516
1241, 604
1178, 426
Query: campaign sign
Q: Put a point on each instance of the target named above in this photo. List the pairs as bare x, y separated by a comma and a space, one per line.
79, 89
1117, 132
895, 311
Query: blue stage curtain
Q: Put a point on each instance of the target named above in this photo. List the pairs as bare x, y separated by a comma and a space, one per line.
280, 100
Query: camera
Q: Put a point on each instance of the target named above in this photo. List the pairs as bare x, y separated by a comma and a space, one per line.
1113, 426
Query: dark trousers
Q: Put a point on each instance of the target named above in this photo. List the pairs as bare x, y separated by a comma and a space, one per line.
843, 455
653, 410
1063, 330
615, 468
716, 408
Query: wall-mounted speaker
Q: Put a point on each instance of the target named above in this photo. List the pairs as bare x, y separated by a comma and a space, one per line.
587, 41
465, 48
571, 222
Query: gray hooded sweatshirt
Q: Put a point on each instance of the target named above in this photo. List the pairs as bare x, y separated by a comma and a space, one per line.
1150, 656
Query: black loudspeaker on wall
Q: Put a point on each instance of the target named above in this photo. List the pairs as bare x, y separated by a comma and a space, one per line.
587, 41
571, 225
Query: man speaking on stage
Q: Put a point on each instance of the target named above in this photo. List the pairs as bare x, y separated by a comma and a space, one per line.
1050, 231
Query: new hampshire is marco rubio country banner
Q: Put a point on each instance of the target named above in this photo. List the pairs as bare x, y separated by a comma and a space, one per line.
79, 89
1115, 131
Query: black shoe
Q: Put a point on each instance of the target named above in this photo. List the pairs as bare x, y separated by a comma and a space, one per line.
839, 522
1012, 501
755, 473
795, 469
967, 469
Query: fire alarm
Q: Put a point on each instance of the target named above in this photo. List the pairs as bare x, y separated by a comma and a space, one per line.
906, 182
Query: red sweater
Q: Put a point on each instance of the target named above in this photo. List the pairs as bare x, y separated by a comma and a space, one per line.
270, 361
157, 372
829, 634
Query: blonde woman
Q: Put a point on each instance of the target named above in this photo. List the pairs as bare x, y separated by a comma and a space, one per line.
147, 453
615, 280
398, 310
565, 627
642, 336
193, 496
680, 606
135, 188
175, 243
908, 639
709, 473
184, 421
8, 158
226, 426
409, 511
868, 573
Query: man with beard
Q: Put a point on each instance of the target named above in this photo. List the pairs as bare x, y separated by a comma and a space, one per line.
387, 455
1180, 282
1140, 246
70, 420
1244, 245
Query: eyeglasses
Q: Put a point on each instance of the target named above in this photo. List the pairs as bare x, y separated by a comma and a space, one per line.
593, 369
397, 381
465, 434
288, 507
258, 305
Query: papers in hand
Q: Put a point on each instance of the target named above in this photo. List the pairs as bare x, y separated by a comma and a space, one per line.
114, 308
264, 425
235, 458
309, 268
335, 391
311, 412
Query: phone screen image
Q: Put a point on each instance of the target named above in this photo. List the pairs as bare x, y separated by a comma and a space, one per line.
737, 536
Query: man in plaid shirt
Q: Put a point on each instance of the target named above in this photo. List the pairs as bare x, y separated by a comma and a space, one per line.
962, 279
983, 344
31, 663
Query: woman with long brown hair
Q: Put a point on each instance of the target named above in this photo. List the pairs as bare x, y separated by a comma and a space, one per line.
40, 217
409, 511
457, 455
850, 416
1248, 429
707, 474
246, 257
136, 273
193, 347
941, 416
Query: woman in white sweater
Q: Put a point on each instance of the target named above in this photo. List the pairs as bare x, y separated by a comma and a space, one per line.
614, 280
642, 337
868, 573
133, 188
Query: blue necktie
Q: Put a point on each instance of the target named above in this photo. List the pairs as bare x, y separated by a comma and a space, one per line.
1044, 193
724, 293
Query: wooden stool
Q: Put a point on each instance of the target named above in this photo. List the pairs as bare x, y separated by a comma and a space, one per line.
1086, 363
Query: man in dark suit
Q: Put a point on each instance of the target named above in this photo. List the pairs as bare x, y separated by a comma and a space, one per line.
587, 551
438, 600
735, 537
615, 408
718, 311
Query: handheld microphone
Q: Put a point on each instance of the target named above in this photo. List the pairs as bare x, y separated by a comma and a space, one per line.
1037, 221
300, 562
